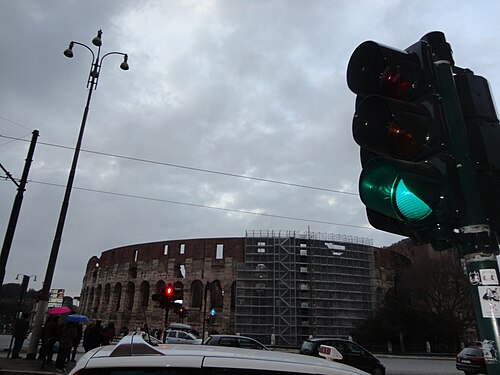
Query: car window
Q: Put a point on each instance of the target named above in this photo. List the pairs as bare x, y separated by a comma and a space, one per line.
227, 341
249, 344
353, 348
307, 347
172, 334
183, 335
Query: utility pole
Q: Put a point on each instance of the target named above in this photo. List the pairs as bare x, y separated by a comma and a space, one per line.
16, 208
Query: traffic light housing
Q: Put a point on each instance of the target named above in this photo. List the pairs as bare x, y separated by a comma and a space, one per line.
167, 296
408, 181
483, 133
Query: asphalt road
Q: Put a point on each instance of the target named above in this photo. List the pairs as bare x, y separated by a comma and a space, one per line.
395, 365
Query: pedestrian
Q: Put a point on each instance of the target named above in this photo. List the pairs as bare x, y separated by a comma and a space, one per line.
20, 333
76, 341
49, 338
107, 334
92, 336
68, 334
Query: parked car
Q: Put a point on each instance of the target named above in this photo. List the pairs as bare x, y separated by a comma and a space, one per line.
234, 341
181, 337
134, 354
471, 360
352, 354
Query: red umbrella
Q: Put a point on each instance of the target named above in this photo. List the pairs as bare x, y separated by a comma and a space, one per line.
59, 310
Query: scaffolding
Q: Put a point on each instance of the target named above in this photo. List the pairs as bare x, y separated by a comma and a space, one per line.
294, 285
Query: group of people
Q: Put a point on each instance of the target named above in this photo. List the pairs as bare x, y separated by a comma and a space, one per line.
62, 337
65, 337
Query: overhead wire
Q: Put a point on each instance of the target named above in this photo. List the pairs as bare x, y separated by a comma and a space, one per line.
142, 160
190, 168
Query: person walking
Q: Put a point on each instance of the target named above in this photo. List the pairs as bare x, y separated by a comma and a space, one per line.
50, 332
76, 341
92, 336
20, 333
107, 334
69, 332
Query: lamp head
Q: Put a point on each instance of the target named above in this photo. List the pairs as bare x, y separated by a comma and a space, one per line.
97, 41
124, 64
68, 52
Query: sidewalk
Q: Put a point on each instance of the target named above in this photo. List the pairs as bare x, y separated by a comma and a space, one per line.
21, 366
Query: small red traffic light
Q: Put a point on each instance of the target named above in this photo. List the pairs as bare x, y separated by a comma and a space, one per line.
169, 290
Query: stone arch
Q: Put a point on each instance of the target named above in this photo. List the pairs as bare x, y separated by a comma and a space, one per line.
216, 297
91, 300
117, 297
132, 272
97, 298
144, 294
179, 291
196, 294
107, 296
130, 294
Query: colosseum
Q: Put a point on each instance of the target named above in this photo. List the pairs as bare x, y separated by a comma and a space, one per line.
276, 286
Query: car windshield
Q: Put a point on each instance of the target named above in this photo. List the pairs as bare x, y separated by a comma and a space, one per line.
307, 347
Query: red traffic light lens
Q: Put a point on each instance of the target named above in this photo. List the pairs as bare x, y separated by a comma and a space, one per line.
393, 84
169, 291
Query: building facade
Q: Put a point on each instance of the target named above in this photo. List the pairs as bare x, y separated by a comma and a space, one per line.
277, 286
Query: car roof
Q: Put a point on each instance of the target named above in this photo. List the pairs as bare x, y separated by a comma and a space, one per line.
133, 351
237, 336
317, 339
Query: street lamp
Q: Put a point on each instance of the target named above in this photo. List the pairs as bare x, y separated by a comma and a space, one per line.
93, 78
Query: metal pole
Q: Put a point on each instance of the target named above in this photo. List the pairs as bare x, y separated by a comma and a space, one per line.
207, 285
165, 325
43, 299
16, 209
476, 242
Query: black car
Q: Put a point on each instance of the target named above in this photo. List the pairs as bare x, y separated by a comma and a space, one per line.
353, 354
234, 341
471, 360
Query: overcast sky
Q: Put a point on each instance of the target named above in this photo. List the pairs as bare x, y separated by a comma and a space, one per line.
215, 90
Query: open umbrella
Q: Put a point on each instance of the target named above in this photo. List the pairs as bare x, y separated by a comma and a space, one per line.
77, 318
59, 310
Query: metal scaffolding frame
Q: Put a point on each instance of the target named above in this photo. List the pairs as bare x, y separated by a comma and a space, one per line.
294, 285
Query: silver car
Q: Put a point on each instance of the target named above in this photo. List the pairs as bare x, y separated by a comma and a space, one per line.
181, 337
135, 355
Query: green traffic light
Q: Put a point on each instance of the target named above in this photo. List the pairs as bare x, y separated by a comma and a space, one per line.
409, 205
396, 189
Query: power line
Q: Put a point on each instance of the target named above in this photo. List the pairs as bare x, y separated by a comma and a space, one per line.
192, 168
134, 196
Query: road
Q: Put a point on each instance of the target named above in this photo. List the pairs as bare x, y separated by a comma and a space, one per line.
419, 366
394, 365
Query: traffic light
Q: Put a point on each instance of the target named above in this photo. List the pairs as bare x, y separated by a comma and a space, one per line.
167, 296
408, 181
170, 291
483, 133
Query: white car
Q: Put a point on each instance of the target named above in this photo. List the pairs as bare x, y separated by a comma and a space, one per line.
181, 337
134, 355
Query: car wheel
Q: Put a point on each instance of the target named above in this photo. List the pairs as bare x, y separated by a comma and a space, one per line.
378, 371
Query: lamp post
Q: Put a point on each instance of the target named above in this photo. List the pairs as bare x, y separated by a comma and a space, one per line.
92, 81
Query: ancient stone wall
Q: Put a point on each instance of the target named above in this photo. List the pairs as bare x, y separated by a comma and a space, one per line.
118, 285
